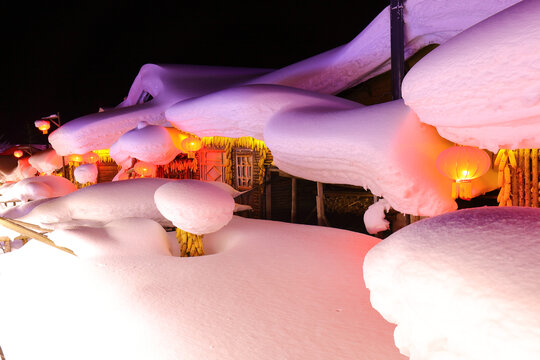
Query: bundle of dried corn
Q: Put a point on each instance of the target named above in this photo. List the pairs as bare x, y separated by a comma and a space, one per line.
190, 244
183, 168
518, 177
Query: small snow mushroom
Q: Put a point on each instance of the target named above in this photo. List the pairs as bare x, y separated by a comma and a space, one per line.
86, 173
195, 206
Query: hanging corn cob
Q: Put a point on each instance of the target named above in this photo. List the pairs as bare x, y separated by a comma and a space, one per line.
190, 244
518, 177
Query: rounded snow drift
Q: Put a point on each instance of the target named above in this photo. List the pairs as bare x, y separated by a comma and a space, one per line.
462, 285
195, 206
86, 173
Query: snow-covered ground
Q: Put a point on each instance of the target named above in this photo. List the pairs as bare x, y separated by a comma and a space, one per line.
268, 290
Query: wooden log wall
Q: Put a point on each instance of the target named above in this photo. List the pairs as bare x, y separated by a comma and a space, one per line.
518, 177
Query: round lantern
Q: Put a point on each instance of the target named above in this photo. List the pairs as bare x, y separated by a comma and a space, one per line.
463, 164
177, 137
145, 169
43, 125
76, 158
190, 145
18, 153
90, 157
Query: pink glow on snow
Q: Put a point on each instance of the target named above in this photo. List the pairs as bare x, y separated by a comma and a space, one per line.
383, 148
46, 161
269, 290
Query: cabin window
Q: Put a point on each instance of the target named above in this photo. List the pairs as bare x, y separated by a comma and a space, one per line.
212, 164
244, 169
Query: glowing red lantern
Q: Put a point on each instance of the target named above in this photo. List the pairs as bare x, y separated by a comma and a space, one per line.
43, 125
190, 145
463, 164
145, 169
90, 157
76, 158
18, 153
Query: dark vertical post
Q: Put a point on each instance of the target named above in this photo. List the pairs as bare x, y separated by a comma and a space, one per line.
268, 195
397, 46
397, 39
321, 218
293, 200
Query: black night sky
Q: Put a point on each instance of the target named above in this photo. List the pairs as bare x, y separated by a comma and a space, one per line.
74, 58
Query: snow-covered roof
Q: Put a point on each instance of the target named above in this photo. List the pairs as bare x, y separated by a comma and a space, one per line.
167, 84
482, 87
426, 22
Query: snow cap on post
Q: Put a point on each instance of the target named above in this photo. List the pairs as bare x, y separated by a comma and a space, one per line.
195, 206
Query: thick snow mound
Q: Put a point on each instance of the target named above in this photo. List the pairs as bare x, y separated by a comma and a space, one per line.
272, 291
167, 84
38, 187
148, 143
463, 285
481, 88
383, 148
122, 237
46, 161
100, 204
86, 173
195, 206
245, 110
368, 54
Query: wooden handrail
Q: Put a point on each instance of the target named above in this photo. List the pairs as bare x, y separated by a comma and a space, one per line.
10, 224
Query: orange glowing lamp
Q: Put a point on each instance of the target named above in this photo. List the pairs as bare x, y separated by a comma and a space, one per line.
90, 157
191, 145
18, 153
463, 164
76, 158
145, 169
43, 125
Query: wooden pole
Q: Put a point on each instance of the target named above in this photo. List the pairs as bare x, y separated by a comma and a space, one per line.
527, 175
8, 223
520, 177
534, 190
321, 218
293, 200
397, 46
515, 190
268, 195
